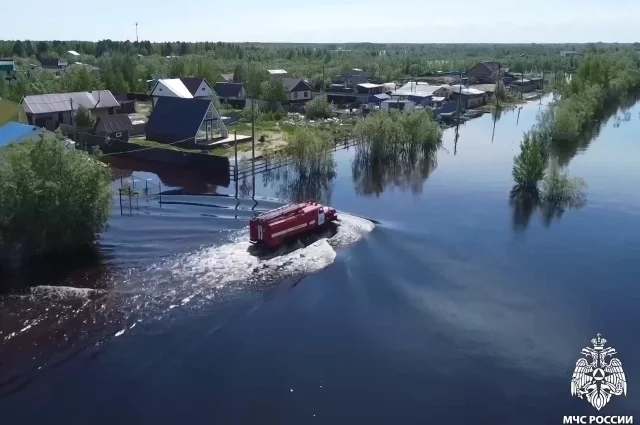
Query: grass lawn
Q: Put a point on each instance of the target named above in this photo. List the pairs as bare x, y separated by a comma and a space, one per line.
149, 143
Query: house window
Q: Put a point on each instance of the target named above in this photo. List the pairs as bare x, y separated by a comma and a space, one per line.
159, 89
295, 94
203, 89
306, 94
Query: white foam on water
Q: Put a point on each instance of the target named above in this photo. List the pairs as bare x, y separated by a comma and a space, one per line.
190, 281
234, 262
63, 292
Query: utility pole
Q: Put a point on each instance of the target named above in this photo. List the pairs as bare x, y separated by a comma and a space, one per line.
458, 107
137, 33
322, 78
253, 119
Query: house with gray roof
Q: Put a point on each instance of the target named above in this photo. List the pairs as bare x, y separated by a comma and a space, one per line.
232, 93
483, 72
50, 110
116, 126
298, 90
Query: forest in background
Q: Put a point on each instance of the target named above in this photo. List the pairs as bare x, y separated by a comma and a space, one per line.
126, 66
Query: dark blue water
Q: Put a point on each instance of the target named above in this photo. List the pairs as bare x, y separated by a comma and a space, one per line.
454, 309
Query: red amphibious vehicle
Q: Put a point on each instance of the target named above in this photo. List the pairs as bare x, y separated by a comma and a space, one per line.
273, 227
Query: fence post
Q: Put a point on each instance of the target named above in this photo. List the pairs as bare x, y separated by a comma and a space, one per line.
235, 149
160, 192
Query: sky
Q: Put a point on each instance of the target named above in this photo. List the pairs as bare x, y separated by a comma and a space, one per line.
331, 21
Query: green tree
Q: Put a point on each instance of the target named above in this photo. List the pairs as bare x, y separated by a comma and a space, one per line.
318, 107
238, 74
273, 90
54, 199
529, 166
79, 79
84, 117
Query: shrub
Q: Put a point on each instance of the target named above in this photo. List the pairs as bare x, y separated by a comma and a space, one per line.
305, 143
529, 166
84, 117
318, 107
53, 198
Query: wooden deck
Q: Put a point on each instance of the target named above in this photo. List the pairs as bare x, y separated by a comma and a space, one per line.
226, 141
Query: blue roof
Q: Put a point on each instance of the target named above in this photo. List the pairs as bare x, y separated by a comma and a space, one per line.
18, 132
175, 118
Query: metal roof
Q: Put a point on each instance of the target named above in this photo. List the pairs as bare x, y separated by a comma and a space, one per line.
63, 102
224, 89
276, 71
74, 53
174, 118
290, 84
192, 83
370, 85
175, 85
115, 123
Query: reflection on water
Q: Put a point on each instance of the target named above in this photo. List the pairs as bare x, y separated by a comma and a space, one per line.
374, 171
566, 150
304, 180
193, 180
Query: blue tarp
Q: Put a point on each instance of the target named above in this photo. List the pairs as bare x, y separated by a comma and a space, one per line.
18, 132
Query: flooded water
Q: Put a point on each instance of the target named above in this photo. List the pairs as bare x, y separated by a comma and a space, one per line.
435, 301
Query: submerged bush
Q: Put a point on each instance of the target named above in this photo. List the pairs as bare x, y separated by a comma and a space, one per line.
52, 198
400, 130
399, 148
306, 142
529, 166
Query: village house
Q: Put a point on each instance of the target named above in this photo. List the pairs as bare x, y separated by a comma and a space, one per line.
50, 110
526, 85
117, 126
227, 77
483, 73
185, 87
348, 80
298, 90
7, 68
232, 93
185, 120
469, 98
401, 105
54, 66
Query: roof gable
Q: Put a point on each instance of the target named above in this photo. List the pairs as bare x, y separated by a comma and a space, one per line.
193, 84
174, 85
295, 84
174, 118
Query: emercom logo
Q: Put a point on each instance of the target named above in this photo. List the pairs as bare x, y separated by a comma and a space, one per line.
608, 420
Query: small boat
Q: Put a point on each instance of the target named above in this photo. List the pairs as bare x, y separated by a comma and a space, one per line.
274, 227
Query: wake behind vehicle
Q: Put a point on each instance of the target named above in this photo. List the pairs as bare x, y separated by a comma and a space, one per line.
274, 227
